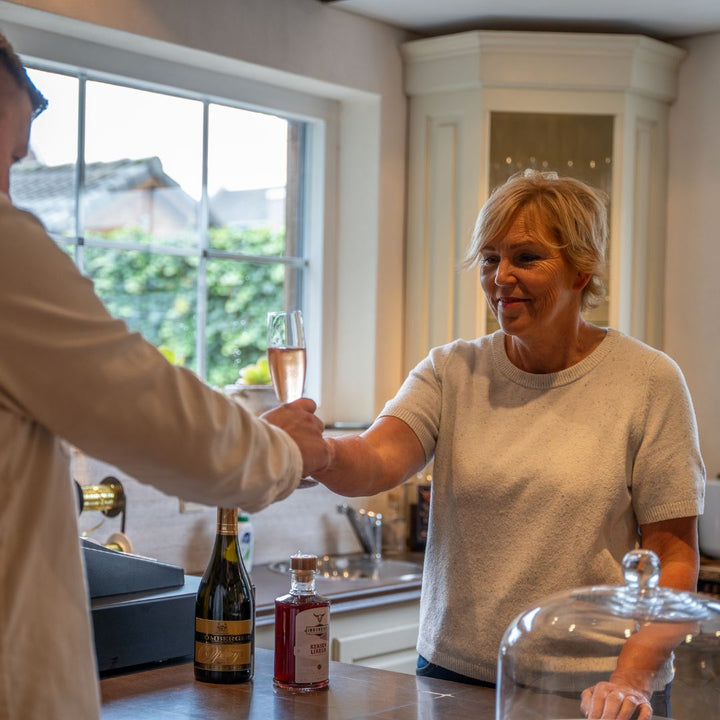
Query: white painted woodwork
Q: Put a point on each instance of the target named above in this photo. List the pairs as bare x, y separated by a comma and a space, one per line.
381, 636
455, 83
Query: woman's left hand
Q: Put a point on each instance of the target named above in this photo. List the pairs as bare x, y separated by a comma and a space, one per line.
628, 689
615, 700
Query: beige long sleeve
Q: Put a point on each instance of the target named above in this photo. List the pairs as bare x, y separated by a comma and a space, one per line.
72, 368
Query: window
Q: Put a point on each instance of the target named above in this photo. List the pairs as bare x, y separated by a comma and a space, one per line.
186, 212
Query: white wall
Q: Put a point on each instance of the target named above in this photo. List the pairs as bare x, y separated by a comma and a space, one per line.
692, 290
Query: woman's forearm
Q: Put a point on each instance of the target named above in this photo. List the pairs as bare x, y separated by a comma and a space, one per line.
354, 469
380, 459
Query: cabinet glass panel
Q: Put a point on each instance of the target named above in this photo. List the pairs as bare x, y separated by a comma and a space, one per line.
578, 146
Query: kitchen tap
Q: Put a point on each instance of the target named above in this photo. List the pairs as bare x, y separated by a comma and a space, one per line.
368, 529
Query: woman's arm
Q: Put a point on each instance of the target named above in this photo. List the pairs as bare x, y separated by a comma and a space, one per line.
384, 456
675, 542
631, 684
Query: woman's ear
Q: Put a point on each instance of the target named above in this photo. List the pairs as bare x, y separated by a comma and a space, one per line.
581, 281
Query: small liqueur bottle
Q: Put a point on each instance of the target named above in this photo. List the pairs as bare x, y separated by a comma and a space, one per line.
225, 611
302, 631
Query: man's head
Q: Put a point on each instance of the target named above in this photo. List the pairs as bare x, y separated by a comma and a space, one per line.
20, 102
13, 66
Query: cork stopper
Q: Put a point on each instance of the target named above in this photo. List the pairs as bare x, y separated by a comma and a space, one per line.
303, 563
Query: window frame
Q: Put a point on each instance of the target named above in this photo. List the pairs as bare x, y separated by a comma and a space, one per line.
308, 231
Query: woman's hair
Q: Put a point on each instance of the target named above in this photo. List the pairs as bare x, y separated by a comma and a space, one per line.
573, 213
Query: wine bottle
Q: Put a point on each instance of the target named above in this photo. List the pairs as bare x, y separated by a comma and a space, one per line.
225, 611
302, 631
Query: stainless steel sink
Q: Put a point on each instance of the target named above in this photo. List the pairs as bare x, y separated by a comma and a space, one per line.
358, 567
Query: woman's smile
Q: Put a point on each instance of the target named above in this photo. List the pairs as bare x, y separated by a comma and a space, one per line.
508, 301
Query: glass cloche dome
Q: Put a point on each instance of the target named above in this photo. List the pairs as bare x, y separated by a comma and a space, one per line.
573, 640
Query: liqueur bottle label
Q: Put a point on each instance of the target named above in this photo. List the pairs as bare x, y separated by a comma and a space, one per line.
224, 645
311, 645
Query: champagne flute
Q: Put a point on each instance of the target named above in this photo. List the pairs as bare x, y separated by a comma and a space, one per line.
286, 354
287, 359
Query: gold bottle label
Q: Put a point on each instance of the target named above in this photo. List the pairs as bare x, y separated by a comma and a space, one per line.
223, 644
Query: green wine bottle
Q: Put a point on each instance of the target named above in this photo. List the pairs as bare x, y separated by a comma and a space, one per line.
225, 611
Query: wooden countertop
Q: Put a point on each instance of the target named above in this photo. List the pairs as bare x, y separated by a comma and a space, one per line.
170, 692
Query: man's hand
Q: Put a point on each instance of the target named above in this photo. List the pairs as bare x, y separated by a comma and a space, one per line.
615, 700
298, 420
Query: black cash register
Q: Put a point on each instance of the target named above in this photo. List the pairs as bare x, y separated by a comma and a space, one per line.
143, 611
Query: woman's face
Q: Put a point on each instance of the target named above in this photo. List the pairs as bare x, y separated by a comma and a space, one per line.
530, 285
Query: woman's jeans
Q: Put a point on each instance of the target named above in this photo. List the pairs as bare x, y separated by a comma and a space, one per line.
427, 669
660, 700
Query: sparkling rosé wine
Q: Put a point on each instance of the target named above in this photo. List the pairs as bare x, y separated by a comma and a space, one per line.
287, 370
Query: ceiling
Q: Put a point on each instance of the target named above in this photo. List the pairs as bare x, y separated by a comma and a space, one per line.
662, 19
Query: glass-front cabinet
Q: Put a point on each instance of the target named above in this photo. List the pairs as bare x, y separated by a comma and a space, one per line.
485, 105
580, 146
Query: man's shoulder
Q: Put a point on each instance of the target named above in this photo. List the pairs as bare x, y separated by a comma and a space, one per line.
25, 243
9, 214
20, 231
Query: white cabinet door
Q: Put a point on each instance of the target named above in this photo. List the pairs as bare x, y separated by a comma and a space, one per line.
392, 648
381, 636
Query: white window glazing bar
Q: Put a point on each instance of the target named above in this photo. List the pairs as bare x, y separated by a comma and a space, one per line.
203, 220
